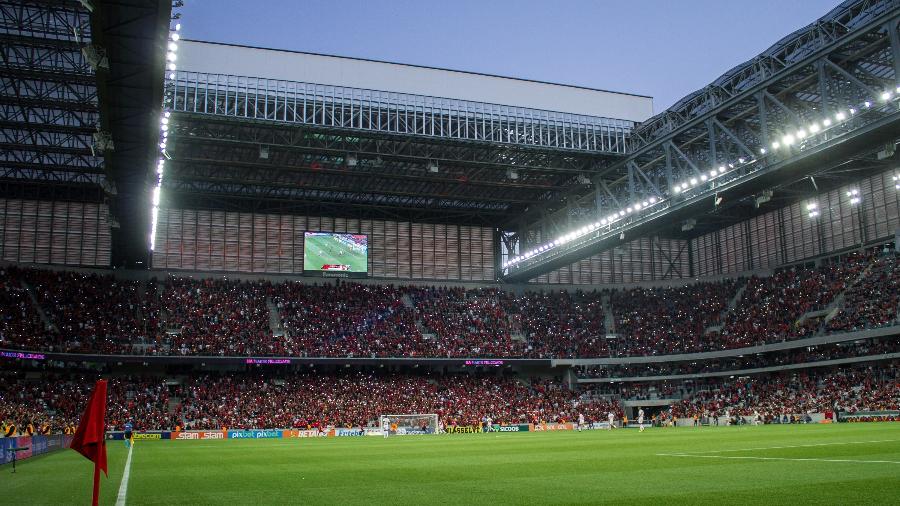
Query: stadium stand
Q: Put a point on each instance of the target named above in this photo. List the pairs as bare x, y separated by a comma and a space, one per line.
860, 389
801, 356
88, 312
294, 400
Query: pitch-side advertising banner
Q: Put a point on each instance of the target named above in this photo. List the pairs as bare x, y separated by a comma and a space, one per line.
553, 426
152, 435
356, 431
254, 434
522, 427
464, 429
199, 434
36, 445
307, 433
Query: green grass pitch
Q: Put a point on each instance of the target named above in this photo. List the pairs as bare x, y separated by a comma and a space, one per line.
321, 250
817, 464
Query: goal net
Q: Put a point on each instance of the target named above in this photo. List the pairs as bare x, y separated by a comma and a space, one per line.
403, 425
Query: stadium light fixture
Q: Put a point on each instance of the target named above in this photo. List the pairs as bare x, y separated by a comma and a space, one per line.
840, 116
826, 122
812, 209
814, 128
762, 151
776, 145
854, 196
896, 182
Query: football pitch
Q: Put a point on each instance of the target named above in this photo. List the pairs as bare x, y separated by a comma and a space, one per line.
320, 250
815, 464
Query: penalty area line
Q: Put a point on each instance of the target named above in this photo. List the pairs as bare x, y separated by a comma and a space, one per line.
123, 487
854, 461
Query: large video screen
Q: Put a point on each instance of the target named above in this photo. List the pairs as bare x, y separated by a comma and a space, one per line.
336, 253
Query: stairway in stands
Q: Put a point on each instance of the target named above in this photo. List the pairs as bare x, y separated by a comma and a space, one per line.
731, 305
609, 320
274, 318
40, 311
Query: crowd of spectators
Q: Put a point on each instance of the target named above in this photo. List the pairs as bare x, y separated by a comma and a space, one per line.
358, 398
89, 312
216, 317
186, 316
868, 388
796, 356
874, 301
771, 307
58, 399
291, 400
20, 323
665, 321
313, 399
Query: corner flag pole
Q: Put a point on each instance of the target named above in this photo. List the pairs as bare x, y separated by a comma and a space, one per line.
90, 438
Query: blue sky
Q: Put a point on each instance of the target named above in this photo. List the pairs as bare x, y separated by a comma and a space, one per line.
665, 49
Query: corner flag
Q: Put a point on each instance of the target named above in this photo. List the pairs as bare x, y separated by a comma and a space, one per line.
90, 438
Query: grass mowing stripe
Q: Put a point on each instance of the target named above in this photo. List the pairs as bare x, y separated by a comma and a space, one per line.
775, 458
123, 487
792, 446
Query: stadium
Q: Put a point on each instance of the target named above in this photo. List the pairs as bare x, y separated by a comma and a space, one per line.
232, 274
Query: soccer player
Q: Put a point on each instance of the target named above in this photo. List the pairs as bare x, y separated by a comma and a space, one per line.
385, 426
128, 434
612, 419
641, 419
580, 421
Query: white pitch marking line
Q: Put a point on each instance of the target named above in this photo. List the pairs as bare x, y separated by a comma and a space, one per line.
778, 458
123, 487
792, 446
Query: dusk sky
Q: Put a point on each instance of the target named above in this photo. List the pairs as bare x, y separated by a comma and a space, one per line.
665, 49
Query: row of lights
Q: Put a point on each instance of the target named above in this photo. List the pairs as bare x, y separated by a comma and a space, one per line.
171, 56
587, 229
785, 142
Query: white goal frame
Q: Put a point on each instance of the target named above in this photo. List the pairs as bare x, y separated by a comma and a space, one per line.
411, 424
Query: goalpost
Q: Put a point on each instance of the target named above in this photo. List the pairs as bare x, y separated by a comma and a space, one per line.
405, 425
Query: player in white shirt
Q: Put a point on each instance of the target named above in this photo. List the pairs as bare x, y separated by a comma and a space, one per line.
755, 417
612, 419
385, 426
580, 421
641, 419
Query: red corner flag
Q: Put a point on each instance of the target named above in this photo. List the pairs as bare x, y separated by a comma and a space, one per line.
90, 438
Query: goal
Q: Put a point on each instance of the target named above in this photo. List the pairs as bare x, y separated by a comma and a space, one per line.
405, 425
